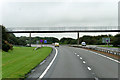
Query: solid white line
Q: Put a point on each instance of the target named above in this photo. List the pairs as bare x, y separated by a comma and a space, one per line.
77, 55
80, 57
48, 66
89, 68
106, 57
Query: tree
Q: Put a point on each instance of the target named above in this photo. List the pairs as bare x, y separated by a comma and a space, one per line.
22, 41
6, 46
4, 34
116, 40
12, 39
68, 41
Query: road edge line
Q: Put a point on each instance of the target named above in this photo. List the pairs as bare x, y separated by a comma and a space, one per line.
48, 67
105, 56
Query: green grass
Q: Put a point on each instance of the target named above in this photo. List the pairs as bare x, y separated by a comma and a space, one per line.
109, 46
20, 61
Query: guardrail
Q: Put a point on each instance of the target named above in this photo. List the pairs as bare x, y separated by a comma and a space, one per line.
99, 49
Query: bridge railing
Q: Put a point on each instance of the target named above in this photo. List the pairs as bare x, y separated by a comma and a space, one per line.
73, 28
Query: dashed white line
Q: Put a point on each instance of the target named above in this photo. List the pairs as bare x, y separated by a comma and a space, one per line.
89, 68
80, 57
96, 78
84, 62
48, 66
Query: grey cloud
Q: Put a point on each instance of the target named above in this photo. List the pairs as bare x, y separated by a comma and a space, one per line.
59, 14
35, 14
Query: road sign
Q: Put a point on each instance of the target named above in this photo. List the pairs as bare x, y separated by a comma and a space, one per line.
45, 41
41, 41
37, 42
105, 40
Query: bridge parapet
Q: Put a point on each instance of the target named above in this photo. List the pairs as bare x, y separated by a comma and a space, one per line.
73, 28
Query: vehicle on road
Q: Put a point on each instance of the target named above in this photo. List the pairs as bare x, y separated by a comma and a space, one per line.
83, 44
56, 44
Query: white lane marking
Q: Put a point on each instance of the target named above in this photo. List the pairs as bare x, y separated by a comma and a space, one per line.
77, 55
42, 62
96, 78
80, 57
48, 66
105, 57
84, 62
89, 68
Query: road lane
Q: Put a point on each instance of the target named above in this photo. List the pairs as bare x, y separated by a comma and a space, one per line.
103, 67
67, 65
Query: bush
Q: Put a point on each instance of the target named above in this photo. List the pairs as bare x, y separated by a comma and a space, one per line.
6, 46
116, 40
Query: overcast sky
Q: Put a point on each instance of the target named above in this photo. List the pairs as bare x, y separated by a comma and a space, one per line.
49, 13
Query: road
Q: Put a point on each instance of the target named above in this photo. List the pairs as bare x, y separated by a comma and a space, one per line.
69, 65
79, 63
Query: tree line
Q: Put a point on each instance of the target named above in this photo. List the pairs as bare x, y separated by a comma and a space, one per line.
8, 40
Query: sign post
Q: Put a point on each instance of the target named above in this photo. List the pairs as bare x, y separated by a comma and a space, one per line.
37, 42
41, 41
106, 40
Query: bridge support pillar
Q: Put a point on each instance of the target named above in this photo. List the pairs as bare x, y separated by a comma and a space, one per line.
78, 38
30, 39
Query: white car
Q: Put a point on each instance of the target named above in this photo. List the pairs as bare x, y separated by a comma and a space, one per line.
83, 44
56, 44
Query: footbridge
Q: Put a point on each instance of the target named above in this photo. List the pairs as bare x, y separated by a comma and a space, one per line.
63, 29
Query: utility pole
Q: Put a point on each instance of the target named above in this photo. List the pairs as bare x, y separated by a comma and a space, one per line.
78, 38
30, 40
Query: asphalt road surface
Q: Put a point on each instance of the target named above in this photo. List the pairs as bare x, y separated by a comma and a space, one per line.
80, 63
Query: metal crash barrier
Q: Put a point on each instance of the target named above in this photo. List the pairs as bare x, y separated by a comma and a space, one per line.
99, 49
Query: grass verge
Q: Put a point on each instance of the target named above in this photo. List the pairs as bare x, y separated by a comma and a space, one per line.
20, 61
109, 46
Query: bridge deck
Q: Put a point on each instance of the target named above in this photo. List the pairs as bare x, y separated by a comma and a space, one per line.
62, 29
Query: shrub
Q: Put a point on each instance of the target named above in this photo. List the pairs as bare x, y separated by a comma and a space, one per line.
6, 46
116, 40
